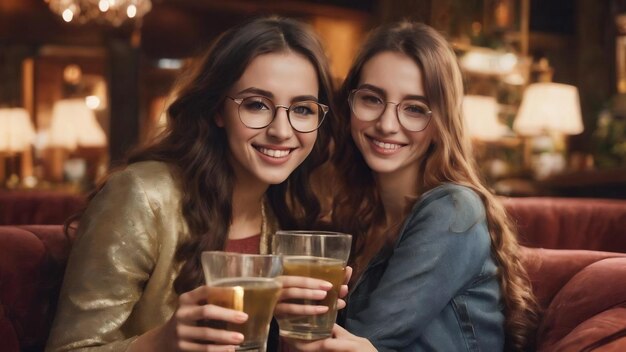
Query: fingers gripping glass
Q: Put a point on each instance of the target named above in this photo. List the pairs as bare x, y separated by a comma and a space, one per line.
258, 112
413, 114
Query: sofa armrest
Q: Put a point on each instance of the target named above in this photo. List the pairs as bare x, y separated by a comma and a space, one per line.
32, 263
551, 269
583, 294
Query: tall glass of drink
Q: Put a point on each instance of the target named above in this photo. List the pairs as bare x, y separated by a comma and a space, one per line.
247, 283
316, 254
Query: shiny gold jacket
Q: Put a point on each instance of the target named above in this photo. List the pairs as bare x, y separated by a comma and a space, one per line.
119, 278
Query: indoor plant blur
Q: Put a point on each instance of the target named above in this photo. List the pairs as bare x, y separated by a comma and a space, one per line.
610, 135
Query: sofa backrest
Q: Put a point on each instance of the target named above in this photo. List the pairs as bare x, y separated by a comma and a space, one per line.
32, 263
569, 223
24, 207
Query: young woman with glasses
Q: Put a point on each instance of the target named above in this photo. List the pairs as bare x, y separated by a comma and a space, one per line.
244, 134
436, 263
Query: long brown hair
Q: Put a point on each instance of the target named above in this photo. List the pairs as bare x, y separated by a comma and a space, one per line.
196, 148
358, 208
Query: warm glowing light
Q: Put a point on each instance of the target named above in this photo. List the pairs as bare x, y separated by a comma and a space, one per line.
480, 114
72, 74
92, 102
170, 64
103, 5
508, 61
68, 15
549, 107
488, 61
73, 124
16, 130
131, 11
112, 12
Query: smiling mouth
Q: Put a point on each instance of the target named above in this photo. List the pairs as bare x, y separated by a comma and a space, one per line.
274, 153
386, 146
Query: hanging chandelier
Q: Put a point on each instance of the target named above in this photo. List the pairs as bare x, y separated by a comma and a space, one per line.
113, 12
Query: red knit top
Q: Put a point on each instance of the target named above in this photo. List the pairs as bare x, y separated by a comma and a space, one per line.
248, 245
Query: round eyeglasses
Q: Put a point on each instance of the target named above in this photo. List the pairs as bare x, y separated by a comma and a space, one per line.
258, 112
413, 114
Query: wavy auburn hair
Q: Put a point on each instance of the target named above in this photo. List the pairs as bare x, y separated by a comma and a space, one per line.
196, 148
358, 208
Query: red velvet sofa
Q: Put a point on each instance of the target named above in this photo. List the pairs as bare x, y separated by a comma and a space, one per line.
582, 292
578, 268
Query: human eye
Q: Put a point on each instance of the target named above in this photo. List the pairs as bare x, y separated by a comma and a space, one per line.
304, 109
415, 109
255, 104
370, 99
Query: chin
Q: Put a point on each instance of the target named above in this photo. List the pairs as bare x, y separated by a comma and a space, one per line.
381, 167
274, 178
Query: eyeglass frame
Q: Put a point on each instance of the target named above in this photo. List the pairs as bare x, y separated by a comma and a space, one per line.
239, 101
353, 92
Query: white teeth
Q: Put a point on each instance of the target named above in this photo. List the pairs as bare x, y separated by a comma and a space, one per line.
275, 153
386, 145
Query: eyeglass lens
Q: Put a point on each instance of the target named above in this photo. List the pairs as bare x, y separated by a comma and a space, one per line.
259, 112
413, 114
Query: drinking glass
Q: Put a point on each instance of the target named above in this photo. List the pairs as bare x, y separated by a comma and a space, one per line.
316, 254
247, 283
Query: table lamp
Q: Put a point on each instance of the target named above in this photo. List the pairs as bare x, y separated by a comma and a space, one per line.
73, 125
480, 114
16, 136
549, 112
481, 118
549, 107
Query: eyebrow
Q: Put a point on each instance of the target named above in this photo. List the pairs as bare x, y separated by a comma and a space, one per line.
383, 93
258, 91
270, 95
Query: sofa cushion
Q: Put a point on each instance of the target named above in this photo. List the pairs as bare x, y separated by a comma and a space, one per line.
590, 307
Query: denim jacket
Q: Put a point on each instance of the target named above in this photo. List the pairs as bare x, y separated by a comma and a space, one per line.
437, 289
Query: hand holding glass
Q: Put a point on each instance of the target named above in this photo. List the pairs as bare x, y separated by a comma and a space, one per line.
319, 255
247, 283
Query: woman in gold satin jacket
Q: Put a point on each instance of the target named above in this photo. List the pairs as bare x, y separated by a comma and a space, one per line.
243, 136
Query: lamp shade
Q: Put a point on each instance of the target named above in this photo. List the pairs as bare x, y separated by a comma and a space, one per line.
481, 118
549, 107
16, 130
74, 124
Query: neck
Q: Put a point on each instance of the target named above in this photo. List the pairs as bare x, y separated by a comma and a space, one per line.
246, 207
396, 192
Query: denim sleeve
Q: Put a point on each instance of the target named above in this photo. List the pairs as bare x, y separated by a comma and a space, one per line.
441, 249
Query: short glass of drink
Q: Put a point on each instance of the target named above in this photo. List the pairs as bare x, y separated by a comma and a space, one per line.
247, 283
316, 254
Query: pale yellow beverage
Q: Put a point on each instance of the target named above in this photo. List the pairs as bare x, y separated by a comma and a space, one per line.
256, 297
313, 327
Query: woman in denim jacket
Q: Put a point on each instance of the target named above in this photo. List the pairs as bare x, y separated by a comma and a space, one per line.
435, 260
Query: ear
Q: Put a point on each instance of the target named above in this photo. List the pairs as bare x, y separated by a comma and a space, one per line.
219, 118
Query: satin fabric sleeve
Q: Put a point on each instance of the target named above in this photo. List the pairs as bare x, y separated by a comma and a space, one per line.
110, 263
441, 249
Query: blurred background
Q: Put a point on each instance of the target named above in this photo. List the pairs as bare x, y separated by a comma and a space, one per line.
82, 81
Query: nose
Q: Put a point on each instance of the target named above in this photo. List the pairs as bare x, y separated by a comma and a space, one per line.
388, 122
280, 128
